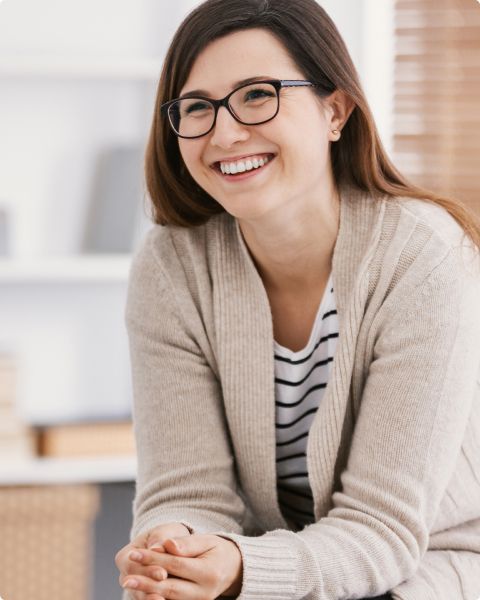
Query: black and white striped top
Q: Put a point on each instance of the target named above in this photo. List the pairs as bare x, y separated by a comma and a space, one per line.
300, 381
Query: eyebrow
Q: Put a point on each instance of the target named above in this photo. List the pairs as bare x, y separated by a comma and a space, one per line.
235, 85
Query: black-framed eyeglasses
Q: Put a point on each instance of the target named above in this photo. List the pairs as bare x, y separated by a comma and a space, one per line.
251, 104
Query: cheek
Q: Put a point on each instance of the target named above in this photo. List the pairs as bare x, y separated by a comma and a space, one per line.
191, 152
187, 153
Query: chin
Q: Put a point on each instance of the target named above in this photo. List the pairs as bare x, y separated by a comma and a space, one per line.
249, 211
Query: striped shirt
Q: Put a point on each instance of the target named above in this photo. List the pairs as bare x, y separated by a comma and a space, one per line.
300, 381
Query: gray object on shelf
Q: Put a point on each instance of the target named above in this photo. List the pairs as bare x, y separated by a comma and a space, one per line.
116, 201
4, 232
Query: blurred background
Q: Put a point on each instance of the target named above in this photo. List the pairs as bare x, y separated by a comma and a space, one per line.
77, 88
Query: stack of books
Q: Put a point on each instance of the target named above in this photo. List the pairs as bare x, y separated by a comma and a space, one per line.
17, 440
90, 439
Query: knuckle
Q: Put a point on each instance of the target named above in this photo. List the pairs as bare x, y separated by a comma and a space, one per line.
176, 563
213, 576
169, 591
146, 559
154, 570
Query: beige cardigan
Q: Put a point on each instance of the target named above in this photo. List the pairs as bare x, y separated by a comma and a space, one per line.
394, 451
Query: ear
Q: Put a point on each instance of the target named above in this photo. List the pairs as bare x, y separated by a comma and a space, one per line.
339, 107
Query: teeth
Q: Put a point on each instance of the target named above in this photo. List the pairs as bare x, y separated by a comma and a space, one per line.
241, 166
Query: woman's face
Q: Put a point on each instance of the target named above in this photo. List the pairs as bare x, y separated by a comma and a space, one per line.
296, 140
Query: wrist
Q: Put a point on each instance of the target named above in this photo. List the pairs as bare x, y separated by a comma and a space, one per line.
236, 586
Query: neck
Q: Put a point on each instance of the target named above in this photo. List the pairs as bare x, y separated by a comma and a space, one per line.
293, 251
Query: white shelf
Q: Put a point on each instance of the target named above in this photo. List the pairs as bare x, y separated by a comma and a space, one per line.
102, 268
51, 471
114, 68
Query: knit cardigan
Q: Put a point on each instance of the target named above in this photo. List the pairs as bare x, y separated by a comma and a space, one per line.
393, 453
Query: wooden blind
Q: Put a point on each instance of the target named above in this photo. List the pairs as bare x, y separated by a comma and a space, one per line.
436, 124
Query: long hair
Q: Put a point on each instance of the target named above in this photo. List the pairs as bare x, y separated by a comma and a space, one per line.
317, 48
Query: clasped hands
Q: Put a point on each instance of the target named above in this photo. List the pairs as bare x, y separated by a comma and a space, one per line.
180, 567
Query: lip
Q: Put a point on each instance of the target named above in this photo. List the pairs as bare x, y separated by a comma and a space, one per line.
216, 165
245, 175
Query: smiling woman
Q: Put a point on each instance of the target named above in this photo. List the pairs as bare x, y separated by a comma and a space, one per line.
303, 327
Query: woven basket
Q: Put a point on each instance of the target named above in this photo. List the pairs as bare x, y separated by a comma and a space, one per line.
46, 541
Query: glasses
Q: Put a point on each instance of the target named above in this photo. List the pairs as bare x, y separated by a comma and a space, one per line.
251, 104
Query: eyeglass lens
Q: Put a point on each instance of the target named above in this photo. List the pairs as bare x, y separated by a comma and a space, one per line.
252, 104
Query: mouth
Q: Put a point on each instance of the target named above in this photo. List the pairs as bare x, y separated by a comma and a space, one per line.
243, 168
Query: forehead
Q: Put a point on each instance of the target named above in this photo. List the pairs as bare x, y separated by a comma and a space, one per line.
237, 56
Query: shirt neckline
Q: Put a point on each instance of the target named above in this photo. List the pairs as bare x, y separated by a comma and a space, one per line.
283, 350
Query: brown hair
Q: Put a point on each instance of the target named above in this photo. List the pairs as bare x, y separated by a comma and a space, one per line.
316, 46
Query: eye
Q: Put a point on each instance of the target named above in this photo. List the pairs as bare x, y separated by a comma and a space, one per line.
196, 107
257, 94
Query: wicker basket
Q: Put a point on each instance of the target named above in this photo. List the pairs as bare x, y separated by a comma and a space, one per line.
46, 541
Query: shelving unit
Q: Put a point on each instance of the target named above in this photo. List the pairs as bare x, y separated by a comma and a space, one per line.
65, 101
67, 68
65, 269
61, 471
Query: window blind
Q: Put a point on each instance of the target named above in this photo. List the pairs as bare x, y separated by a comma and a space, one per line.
436, 120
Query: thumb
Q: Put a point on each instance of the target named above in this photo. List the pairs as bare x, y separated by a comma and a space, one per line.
190, 545
155, 544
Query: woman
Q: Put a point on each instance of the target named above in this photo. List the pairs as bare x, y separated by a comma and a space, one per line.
290, 253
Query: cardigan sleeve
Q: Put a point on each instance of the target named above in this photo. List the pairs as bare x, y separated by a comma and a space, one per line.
415, 407
185, 462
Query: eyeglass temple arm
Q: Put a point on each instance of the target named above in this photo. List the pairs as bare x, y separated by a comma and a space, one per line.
295, 83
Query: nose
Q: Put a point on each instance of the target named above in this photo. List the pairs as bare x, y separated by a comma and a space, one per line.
228, 130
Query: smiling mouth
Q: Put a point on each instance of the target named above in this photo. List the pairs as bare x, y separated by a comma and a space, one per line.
248, 166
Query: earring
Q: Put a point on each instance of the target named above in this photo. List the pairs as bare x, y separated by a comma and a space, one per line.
336, 132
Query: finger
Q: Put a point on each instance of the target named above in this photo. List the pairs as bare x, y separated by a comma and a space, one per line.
146, 563
121, 558
192, 545
142, 566
139, 592
141, 584
133, 595
138, 542
178, 566
156, 540
159, 565
171, 588
153, 571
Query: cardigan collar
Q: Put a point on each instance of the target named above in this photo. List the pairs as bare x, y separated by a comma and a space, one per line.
244, 334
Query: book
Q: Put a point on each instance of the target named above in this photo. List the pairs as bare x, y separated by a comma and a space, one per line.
87, 439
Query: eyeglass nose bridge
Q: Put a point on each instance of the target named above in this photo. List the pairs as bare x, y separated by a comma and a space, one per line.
224, 102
